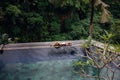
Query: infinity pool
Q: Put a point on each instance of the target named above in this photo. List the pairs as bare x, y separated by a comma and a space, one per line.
41, 63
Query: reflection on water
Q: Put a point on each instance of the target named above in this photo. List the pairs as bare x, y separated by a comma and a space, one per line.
43, 70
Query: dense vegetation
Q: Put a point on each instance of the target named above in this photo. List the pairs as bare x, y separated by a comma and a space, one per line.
43, 20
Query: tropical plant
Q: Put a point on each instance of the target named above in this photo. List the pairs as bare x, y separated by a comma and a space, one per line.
13, 12
3, 41
105, 58
115, 28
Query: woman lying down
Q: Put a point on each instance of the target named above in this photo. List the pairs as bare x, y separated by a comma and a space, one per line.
58, 44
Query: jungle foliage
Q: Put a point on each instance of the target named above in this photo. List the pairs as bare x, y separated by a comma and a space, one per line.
48, 20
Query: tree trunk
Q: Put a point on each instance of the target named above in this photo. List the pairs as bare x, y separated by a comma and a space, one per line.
92, 18
99, 71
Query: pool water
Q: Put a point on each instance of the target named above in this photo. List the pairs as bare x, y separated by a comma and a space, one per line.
41, 64
43, 70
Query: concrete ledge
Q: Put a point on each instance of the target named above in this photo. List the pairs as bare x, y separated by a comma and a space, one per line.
39, 45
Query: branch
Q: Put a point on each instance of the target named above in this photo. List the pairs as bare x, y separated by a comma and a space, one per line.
90, 76
91, 58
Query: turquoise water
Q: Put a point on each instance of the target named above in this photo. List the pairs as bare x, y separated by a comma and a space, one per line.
43, 70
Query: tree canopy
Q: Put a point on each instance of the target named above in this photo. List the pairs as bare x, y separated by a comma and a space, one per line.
47, 20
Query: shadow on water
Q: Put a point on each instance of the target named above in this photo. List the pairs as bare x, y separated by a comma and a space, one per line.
2, 65
63, 51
